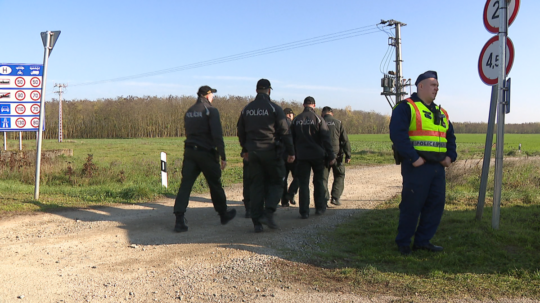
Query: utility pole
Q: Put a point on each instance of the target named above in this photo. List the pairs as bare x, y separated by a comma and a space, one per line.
59, 92
393, 82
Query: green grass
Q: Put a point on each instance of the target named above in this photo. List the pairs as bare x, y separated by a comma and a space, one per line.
477, 262
127, 170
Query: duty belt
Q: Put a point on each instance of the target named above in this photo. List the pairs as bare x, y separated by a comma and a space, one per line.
197, 147
429, 143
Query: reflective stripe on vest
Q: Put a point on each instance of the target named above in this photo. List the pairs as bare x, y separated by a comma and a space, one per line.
424, 134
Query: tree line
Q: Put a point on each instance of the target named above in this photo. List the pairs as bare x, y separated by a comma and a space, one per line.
158, 117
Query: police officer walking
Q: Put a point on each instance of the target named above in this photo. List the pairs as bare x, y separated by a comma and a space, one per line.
314, 151
203, 150
424, 139
341, 147
260, 125
292, 189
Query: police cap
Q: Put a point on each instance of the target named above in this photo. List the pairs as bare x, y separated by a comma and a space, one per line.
264, 84
426, 75
205, 90
309, 100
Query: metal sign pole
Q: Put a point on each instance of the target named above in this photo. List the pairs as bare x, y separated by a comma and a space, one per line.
487, 153
20, 140
41, 112
503, 31
5, 141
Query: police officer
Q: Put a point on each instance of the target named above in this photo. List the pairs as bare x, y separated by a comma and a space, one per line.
313, 150
424, 138
203, 150
342, 147
292, 189
261, 123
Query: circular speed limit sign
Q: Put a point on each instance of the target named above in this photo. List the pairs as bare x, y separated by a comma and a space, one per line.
489, 62
20, 82
35, 122
20, 95
35, 95
20, 122
491, 14
35, 82
34, 109
20, 109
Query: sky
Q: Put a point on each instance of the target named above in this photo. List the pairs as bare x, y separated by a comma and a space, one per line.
104, 40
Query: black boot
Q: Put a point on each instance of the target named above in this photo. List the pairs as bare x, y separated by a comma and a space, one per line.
181, 221
268, 220
227, 216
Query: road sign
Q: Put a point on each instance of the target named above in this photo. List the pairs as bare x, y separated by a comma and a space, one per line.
491, 14
488, 62
20, 94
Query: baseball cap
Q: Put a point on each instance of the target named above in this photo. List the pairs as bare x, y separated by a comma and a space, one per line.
309, 100
205, 90
288, 111
426, 75
263, 84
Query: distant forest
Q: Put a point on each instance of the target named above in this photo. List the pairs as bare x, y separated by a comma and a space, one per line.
158, 117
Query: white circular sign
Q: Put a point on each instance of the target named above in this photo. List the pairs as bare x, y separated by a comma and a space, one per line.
34, 122
35, 109
20, 82
492, 14
489, 62
35, 95
35, 82
20, 95
20, 109
20, 122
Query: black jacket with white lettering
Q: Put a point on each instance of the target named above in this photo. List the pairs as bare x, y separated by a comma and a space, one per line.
311, 136
338, 136
261, 123
203, 127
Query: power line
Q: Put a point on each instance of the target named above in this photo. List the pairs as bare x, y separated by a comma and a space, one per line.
360, 31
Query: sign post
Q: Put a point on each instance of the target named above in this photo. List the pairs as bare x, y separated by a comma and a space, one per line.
164, 170
49, 39
494, 64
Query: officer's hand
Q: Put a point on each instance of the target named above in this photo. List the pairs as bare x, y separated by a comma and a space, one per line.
332, 162
446, 162
419, 162
348, 160
245, 156
290, 159
223, 164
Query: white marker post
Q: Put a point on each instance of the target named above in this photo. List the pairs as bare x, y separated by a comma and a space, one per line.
49, 39
164, 169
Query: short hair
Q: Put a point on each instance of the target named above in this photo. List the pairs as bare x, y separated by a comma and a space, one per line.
263, 90
327, 109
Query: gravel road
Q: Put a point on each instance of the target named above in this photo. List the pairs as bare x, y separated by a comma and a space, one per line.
129, 252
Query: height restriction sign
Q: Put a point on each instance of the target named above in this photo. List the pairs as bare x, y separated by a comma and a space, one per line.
491, 14
489, 61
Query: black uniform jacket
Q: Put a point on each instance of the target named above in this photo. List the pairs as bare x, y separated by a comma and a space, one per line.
261, 124
338, 136
399, 134
203, 127
311, 136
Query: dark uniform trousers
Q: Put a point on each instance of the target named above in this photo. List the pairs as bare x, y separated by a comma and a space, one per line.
339, 180
246, 180
303, 172
195, 162
266, 171
423, 196
293, 188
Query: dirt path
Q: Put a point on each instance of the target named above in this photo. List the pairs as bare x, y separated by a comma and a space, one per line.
130, 253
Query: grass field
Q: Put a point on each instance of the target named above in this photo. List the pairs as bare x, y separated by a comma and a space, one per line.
478, 262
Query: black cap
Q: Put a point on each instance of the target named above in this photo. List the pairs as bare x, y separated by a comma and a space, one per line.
426, 75
288, 111
263, 84
205, 90
327, 109
309, 100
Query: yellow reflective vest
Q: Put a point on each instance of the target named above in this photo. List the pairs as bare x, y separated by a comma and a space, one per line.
427, 130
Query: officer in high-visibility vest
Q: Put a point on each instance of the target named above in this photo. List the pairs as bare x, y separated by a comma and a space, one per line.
424, 139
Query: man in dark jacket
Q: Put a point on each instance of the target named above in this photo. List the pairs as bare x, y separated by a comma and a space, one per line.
291, 190
260, 125
424, 138
342, 147
313, 149
203, 150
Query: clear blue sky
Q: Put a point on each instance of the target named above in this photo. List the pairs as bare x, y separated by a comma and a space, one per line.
103, 40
